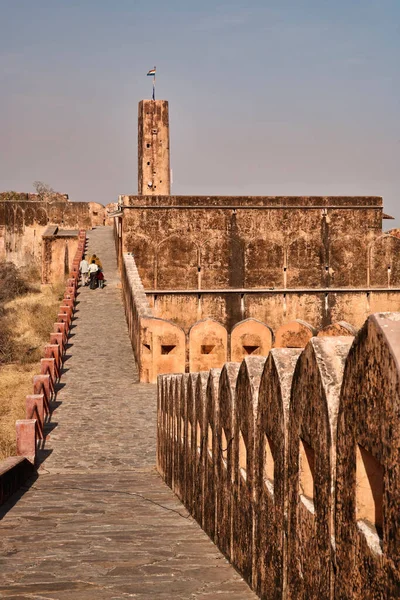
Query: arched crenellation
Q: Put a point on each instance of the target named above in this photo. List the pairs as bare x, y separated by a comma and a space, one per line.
367, 520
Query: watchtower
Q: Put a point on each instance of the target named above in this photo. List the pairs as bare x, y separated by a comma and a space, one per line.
153, 148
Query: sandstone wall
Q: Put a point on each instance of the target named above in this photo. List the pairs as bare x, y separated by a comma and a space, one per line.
153, 147
319, 308
57, 257
23, 222
161, 346
298, 456
186, 242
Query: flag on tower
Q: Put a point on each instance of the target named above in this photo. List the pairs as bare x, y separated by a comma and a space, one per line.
152, 73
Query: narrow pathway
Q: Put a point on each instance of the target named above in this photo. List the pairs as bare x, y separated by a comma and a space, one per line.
99, 523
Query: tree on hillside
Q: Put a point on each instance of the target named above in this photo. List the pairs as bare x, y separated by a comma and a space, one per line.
46, 192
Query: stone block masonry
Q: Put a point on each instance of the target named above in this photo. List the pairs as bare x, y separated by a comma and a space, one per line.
298, 459
153, 148
161, 346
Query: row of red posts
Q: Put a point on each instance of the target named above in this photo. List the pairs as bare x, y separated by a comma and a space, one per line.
30, 431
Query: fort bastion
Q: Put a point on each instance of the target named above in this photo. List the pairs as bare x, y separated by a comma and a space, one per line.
220, 278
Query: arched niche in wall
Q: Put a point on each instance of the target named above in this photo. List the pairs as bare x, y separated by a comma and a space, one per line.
208, 345
9, 215
142, 249
348, 261
295, 334
56, 215
41, 217
264, 263
215, 262
19, 220
250, 337
384, 262
177, 262
70, 215
29, 217
304, 267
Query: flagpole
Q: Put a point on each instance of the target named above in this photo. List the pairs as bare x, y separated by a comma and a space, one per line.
154, 84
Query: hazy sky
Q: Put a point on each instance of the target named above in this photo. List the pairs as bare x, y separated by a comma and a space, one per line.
266, 97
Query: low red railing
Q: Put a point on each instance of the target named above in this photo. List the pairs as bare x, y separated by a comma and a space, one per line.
30, 431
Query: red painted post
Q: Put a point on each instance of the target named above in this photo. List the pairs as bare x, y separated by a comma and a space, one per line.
41, 385
38, 401
26, 438
53, 350
69, 302
48, 365
57, 338
61, 328
64, 318
66, 309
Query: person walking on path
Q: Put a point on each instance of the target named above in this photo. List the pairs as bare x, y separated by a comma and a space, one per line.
96, 260
84, 270
100, 278
93, 268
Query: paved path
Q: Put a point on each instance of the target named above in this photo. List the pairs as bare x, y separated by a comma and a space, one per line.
99, 523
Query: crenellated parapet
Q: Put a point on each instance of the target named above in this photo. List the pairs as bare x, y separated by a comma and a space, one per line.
290, 462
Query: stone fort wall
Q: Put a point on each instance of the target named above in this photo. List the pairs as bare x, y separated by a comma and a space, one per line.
43, 234
162, 346
191, 243
291, 463
321, 260
277, 270
23, 222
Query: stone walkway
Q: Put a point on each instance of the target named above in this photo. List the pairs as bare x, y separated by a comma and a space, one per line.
99, 523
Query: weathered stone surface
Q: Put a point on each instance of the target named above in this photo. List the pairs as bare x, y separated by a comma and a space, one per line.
270, 476
99, 523
311, 467
225, 456
208, 345
247, 388
153, 148
368, 465
211, 452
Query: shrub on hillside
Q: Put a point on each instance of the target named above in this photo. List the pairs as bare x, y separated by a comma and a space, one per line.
12, 282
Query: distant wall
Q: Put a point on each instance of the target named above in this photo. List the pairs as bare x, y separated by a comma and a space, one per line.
22, 224
187, 242
291, 463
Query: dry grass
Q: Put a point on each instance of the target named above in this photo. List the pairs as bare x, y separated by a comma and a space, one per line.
26, 323
15, 384
30, 318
